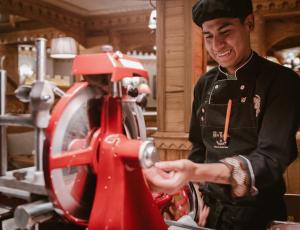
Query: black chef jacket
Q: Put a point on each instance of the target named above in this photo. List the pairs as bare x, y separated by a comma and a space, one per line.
278, 116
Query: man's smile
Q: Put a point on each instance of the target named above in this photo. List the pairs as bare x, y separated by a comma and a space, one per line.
223, 54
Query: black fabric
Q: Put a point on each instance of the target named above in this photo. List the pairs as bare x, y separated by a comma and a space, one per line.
224, 216
205, 10
243, 128
270, 134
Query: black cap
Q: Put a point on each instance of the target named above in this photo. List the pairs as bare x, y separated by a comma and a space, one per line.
205, 10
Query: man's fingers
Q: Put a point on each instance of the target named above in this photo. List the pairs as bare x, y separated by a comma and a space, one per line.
206, 213
170, 185
154, 171
166, 176
203, 216
170, 165
165, 165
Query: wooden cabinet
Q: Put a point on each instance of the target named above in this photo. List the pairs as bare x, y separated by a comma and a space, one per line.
292, 174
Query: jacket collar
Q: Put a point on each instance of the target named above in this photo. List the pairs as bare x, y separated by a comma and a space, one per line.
248, 69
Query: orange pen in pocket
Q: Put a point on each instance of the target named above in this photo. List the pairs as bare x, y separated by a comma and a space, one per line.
227, 120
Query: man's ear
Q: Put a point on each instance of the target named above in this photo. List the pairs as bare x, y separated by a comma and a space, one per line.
249, 22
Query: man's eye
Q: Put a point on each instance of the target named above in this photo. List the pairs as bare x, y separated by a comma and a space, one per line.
226, 32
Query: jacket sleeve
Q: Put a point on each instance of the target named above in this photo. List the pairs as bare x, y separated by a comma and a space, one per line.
197, 154
277, 147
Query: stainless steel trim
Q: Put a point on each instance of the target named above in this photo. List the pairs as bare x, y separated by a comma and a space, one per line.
16, 120
39, 135
3, 137
41, 58
41, 74
27, 215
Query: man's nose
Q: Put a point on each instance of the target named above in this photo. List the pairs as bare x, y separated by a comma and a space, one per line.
218, 43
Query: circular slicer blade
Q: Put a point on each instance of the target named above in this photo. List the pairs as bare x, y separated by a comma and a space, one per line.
73, 122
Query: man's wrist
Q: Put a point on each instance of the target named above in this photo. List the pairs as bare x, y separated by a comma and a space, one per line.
212, 172
240, 179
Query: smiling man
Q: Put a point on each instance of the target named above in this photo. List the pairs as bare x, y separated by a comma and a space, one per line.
227, 41
244, 119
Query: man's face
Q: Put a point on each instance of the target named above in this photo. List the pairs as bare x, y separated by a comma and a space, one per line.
227, 40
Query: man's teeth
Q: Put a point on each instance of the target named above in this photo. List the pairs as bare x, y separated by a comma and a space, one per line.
223, 54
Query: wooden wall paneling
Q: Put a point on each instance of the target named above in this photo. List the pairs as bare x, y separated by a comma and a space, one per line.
275, 21
172, 145
139, 40
162, 154
161, 58
28, 36
175, 53
176, 42
121, 21
85, 29
292, 174
175, 112
124, 31
11, 66
189, 68
277, 8
97, 41
69, 22
280, 29
175, 82
199, 59
175, 58
258, 35
195, 63
115, 39
292, 177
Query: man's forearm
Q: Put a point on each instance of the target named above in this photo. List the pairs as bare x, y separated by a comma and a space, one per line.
212, 172
232, 170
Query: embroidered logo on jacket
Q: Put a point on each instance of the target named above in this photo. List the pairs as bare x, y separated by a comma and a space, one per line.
219, 141
257, 104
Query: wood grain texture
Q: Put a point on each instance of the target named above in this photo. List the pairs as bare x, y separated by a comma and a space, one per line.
292, 174
180, 60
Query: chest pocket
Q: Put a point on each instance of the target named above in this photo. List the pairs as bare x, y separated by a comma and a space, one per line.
242, 115
242, 134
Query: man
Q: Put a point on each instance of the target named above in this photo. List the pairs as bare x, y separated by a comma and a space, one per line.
244, 119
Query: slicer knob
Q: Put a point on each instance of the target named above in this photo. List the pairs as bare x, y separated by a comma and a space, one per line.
148, 155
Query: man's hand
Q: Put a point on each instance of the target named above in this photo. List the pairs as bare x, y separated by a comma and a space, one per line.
169, 176
203, 210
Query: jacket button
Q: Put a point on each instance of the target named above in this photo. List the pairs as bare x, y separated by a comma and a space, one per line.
242, 87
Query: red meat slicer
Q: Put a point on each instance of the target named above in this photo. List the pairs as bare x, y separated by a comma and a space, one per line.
96, 145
